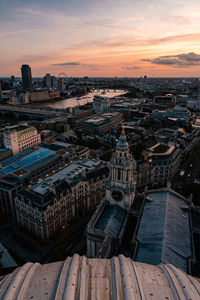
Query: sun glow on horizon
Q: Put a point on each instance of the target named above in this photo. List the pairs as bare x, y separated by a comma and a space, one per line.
111, 38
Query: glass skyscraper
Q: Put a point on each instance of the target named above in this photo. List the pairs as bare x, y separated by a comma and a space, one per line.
27, 77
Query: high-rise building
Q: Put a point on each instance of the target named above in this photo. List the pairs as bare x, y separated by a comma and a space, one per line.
61, 84
47, 81
26, 77
100, 104
54, 83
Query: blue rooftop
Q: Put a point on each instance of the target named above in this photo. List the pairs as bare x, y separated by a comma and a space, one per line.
15, 157
111, 219
29, 161
164, 231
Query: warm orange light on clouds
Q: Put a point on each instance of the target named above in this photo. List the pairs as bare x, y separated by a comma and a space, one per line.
104, 38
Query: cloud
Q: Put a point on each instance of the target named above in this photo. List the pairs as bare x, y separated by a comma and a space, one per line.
131, 68
124, 45
71, 64
16, 32
183, 60
67, 64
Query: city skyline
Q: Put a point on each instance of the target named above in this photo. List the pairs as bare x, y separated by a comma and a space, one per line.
107, 38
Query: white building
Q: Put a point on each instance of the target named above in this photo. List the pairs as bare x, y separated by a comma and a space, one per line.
100, 104
20, 138
165, 160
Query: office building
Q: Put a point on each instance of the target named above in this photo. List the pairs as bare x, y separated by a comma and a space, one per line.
47, 81
54, 83
100, 104
38, 96
164, 160
48, 206
61, 84
21, 138
26, 78
26, 168
100, 123
167, 100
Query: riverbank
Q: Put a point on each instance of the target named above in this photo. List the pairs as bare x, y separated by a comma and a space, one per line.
80, 100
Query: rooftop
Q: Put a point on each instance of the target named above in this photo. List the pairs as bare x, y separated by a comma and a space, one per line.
161, 149
16, 157
164, 231
80, 278
27, 162
99, 118
6, 259
111, 220
70, 172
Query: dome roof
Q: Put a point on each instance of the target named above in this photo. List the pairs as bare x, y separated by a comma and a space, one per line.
122, 141
81, 278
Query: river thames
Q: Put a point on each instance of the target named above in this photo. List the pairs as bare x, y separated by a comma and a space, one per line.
72, 102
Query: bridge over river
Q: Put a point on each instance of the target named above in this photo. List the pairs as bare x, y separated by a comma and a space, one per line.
38, 113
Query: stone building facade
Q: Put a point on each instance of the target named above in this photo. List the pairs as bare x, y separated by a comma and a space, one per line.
47, 208
21, 138
107, 227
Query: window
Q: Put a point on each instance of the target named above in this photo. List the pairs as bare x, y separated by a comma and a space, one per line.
119, 175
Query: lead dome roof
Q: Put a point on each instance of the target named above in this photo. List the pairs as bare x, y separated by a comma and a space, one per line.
81, 278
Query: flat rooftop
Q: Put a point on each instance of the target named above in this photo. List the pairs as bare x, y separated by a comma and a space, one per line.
111, 220
162, 149
15, 157
70, 172
98, 119
28, 161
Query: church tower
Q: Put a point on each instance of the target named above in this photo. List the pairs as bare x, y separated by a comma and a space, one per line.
120, 189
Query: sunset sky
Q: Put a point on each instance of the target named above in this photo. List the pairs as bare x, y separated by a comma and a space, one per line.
100, 38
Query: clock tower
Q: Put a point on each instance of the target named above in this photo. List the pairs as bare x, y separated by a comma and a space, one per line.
120, 189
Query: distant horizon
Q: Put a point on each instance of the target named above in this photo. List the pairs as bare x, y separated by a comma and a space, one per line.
107, 38
114, 77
